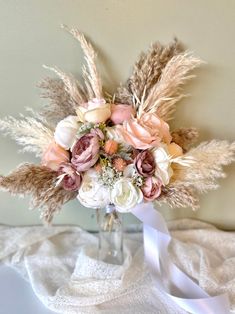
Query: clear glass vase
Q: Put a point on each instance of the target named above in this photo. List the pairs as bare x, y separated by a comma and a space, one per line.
110, 235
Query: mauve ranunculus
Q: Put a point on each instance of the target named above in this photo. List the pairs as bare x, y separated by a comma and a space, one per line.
151, 188
85, 152
121, 112
145, 163
70, 178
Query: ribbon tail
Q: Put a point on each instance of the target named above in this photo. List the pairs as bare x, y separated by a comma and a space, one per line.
179, 287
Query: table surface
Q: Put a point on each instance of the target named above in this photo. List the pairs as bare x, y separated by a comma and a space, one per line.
17, 296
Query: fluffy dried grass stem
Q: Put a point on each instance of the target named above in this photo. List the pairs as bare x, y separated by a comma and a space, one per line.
91, 76
39, 182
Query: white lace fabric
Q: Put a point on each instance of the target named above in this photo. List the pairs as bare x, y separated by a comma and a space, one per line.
60, 264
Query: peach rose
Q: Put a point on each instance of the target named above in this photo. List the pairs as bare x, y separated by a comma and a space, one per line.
95, 111
54, 156
121, 112
145, 132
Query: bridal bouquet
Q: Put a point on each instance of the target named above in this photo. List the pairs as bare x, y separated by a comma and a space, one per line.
119, 149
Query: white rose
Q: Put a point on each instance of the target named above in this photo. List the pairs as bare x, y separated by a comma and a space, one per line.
95, 111
125, 195
163, 162
65, 131
92, 193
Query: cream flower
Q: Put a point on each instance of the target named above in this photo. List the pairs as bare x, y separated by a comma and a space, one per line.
95, 111
163, 164
125, 195
65, 131
92, 193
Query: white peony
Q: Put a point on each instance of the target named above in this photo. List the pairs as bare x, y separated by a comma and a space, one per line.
65, 131
92, 193
95, 111
124, 195
163, 164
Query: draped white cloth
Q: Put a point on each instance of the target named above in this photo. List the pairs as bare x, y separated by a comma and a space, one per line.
60, 264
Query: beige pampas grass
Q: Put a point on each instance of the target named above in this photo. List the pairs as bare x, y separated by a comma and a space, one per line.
31, 132
60, 104
185, 137
179, 195
207, 168
147, 71
167, 91
72, 87
39, 182
91, 75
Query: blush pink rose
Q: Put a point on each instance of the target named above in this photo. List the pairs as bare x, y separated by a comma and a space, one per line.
85, 152
147, 131
54, 156
121, 113
145, 164
151, 188
70, 178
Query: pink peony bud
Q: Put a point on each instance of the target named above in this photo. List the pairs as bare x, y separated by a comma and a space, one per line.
151, 188
120, 113
145, 163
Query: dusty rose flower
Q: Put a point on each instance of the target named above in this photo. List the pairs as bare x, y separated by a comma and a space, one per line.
145, 132
54, 156
85, 152
145, 163
121, 112
151, 188
69, 177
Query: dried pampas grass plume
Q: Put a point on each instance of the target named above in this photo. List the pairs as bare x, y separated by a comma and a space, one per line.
39, 182
178, 195
146, 71
60, 103
71, 85
91, 75
207, 168
185, 137
32, 133
167, 91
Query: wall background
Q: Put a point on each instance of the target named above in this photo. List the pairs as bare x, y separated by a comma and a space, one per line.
30, 36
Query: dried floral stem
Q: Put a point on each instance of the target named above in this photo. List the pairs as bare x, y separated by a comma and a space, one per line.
92, 77
147, 71
185, 137
61, 104
167, 91
32, 133
38, 181
210, 157
72, 86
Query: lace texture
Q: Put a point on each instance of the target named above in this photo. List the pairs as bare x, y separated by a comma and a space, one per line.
60, 264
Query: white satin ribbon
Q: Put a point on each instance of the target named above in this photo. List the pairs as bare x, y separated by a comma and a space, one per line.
167, 276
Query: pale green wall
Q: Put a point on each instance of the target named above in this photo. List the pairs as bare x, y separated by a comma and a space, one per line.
30, 36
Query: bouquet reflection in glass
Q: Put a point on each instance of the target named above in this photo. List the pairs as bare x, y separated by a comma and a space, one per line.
110, 235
